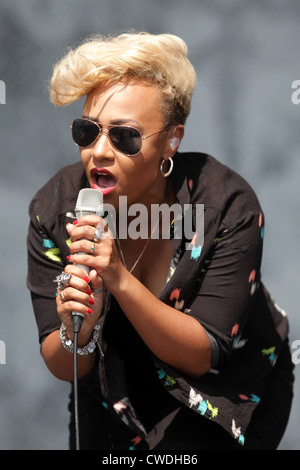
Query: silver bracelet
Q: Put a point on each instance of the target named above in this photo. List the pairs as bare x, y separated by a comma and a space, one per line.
86, 350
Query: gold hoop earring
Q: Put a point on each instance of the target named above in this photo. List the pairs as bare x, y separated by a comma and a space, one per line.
169, 170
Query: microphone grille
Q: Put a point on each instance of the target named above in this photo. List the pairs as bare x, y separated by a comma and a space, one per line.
89, 202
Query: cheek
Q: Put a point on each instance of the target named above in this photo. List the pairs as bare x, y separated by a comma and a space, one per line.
85, 159
143, 169
152, 164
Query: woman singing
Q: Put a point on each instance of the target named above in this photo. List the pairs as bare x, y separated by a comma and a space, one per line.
181, 346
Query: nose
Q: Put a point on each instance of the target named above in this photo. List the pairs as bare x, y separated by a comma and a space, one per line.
103, 147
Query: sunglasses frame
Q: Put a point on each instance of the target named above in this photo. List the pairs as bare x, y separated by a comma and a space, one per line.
105, 128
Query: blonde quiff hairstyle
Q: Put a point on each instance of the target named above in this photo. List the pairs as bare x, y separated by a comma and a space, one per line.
160, 59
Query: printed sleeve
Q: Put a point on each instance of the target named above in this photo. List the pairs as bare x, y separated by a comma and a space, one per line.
44, 265
227, 284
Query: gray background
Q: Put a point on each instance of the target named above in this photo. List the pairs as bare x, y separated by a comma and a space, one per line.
246, 53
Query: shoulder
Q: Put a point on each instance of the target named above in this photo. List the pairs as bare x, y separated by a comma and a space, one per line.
59, 194
214, 184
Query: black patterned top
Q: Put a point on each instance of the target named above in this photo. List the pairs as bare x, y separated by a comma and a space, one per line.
214, 277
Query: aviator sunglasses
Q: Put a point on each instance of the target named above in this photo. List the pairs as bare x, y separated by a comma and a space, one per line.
126, 139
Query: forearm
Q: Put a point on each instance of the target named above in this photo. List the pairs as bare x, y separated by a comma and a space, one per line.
173, 336
60, 362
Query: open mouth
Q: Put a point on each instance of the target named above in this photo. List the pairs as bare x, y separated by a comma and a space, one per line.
103, 180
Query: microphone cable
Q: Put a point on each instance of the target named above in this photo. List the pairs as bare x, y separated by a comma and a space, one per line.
89, 202
77, 320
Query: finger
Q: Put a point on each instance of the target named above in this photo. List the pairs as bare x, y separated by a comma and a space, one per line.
96, 283
83, 246
80, 283
66, 308
91, 220
101, 228
79, 277
72, 294
86, 226
81, 232
60, 296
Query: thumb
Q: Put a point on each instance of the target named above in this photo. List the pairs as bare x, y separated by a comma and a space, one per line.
70, 228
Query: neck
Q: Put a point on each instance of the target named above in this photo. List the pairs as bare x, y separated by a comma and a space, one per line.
141, 230
140, 216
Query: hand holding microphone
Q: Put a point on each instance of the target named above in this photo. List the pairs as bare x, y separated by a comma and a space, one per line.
80, 297
89, 202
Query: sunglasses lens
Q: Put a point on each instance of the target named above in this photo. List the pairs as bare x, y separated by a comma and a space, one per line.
126, 139
84, 132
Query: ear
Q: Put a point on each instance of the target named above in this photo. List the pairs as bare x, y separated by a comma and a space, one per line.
174, 141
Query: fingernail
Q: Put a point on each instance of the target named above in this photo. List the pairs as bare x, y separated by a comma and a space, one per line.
88, 291
91, 301
89, 310
68, 258
75, 222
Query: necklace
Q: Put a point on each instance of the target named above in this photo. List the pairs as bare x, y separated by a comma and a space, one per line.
147, 242
142, 252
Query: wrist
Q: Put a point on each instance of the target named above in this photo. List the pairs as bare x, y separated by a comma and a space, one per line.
120, 282
84, 348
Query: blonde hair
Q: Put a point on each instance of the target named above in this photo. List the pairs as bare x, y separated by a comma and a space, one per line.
158, 58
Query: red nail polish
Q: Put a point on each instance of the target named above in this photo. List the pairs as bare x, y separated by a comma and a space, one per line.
89, 310
91, 302
75, 222
86, 279
88, 291
68, 258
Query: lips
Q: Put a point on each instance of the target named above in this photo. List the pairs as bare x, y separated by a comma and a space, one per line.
102, 179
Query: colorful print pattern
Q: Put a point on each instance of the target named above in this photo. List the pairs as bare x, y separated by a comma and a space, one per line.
227, 225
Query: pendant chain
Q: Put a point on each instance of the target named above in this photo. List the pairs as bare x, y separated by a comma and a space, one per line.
142, 252
147, 243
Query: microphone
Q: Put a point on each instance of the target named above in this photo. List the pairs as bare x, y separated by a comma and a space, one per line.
89, 202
